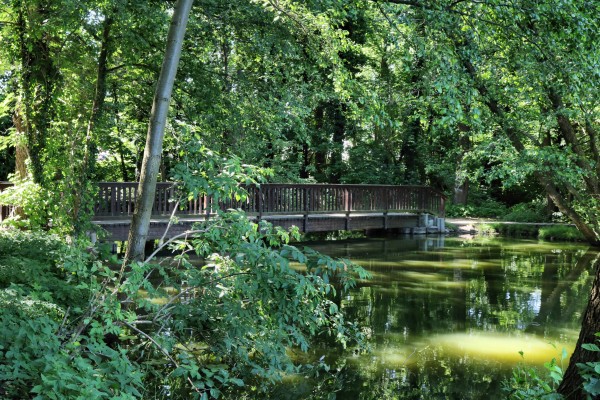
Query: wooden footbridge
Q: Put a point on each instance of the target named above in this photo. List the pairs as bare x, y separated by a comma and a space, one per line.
310, 207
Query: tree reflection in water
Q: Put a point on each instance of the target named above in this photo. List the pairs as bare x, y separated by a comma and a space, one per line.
449, 316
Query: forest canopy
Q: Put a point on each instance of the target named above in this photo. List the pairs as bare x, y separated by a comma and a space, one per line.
499, 95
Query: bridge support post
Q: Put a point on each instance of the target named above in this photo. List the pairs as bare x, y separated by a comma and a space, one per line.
423, 220
441, 224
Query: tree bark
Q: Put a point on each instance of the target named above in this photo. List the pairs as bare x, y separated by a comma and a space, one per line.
571, 385
140, 223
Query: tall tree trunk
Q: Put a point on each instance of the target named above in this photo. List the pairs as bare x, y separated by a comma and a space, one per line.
140, 223
38, 81
99, 97
567, 131
337, 148
21, 153
89, 157
124, 173
571, 385
304, 174
319, 145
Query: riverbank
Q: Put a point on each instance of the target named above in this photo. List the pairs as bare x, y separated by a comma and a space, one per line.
541, 230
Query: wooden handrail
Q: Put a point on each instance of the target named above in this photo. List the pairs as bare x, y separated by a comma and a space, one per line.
117, 199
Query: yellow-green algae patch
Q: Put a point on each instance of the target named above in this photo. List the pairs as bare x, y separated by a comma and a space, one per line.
500, 347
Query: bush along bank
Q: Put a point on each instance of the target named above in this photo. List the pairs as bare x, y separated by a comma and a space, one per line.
543, 232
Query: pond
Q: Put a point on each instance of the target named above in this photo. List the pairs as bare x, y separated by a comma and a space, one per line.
448, 316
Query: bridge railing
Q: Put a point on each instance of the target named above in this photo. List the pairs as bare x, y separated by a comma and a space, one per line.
117, 199
5, 210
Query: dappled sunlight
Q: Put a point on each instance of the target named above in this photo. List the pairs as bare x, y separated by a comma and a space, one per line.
464, 310
504, 348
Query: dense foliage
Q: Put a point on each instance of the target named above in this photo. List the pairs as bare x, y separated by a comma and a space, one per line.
75, 328
493, 102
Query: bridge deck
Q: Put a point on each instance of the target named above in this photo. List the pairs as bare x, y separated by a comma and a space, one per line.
118, 229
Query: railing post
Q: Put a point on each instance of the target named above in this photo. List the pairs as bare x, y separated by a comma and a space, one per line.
347, 207
387, 207
305, 209
113, 200
260, 202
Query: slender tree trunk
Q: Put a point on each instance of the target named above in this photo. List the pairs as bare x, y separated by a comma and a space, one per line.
568, 133
99, 97
461, 181
21, 153
140, 223
571, 385
304, 174
124, 173
319, 144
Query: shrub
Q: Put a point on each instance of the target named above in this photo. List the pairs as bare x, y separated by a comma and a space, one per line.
33, 201
560, 232
31, 264
517, 230
34, 360
485, 209
527, 212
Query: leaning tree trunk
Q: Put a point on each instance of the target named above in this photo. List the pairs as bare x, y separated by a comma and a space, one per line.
140, 223
571, 385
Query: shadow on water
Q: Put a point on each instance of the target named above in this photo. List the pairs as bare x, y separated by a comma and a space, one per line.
449, 316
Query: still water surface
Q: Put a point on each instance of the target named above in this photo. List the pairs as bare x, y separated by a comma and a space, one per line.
449, 316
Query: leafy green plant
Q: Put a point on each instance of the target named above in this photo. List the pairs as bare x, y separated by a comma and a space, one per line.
32, 202
590, 371
527, 382
48, 347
